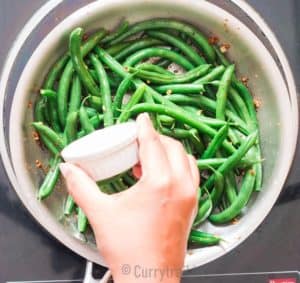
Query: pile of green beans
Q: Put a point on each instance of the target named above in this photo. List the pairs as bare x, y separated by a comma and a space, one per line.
204, 106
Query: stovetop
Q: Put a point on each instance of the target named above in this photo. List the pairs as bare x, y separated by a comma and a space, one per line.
28, 253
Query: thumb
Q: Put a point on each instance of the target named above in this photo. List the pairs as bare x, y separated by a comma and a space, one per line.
81, 187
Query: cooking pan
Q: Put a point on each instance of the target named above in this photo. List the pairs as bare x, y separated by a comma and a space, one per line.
253, 47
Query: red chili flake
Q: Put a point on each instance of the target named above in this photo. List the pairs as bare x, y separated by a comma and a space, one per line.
29, 105
213, 39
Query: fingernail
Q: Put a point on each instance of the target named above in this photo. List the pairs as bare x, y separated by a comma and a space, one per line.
64, 169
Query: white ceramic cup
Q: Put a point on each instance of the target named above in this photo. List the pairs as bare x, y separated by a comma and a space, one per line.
105, 153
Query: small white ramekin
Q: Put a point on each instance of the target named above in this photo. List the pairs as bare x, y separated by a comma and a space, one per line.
105, 153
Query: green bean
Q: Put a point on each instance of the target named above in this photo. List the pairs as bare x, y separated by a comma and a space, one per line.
212, 201
121, 91
164, 63
92, 41
135, 98
107, 189
187, 146
242, 199
235, 158
105, 91
117, 48
180, 88
55, 72
50, 96
82, 221
157, 52
95, 102
119, 185
217, 192
113, 64
204, 209
196, 141
176, 133
220, 57
153, 68
181, 45
94, 75
75, 98
160, 78
239, 105
130, 181
212, 122
204, 164
209, 105
91, 111
48, 93
184, 134
51, 179
192, 109
39, 110
233, 137
182, 116
86, 124
122, 28
39, 117
154, 118
78, 63
46, 112
230, 187
69, 205
187, 29
211, 76
50, 134
166, 120
95, 121
71, 127
203, 238
216, 142
253, 124
63, 92
137, 45
65, 81
223, 92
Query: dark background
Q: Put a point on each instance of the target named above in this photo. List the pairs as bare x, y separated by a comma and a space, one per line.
27, 252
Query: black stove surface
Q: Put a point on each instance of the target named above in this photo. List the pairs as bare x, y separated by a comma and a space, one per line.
28, 253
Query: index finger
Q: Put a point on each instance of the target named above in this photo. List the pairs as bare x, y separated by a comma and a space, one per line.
153, 158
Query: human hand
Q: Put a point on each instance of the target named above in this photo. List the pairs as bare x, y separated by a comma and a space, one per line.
147, 226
